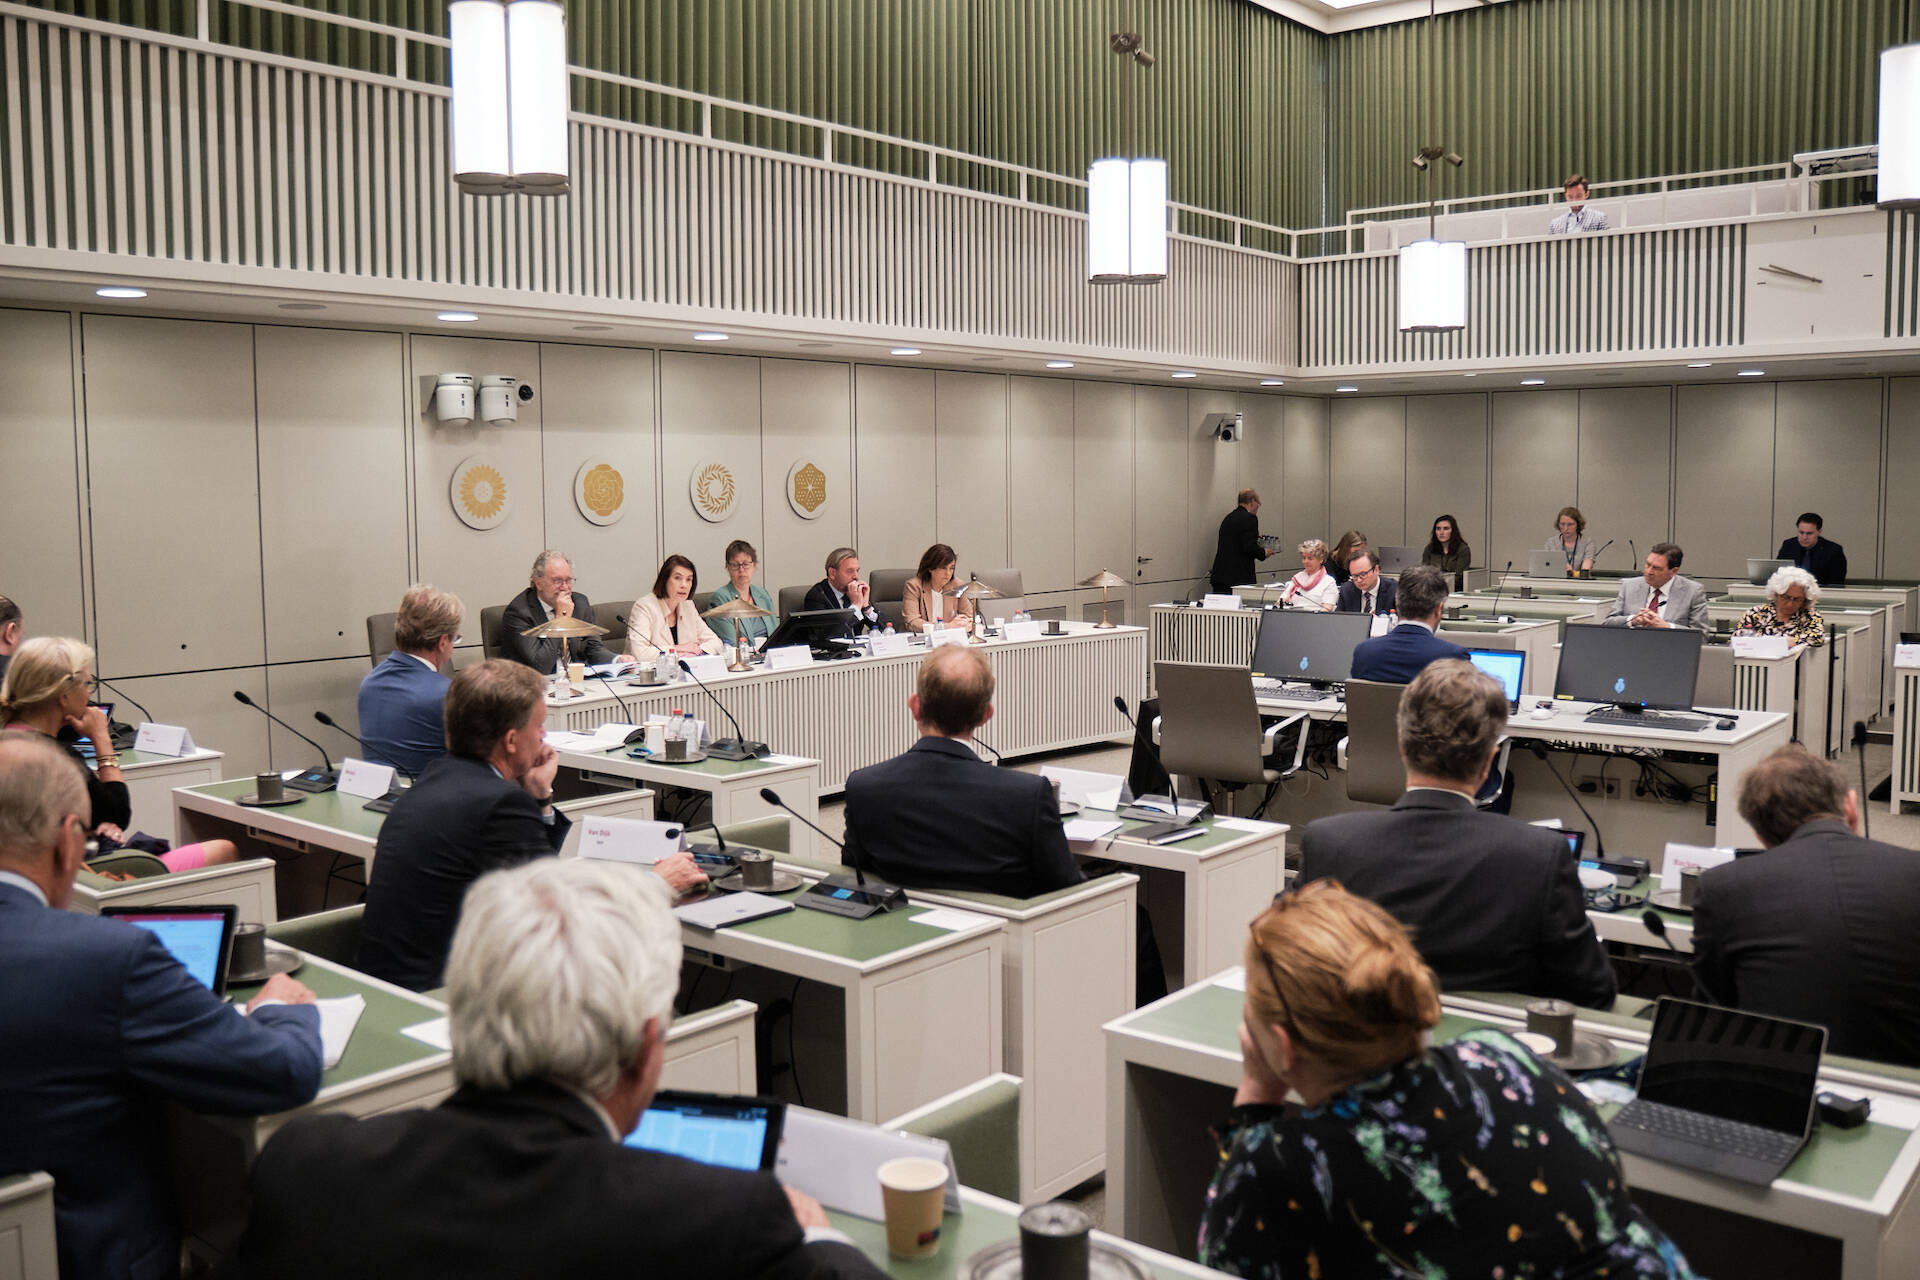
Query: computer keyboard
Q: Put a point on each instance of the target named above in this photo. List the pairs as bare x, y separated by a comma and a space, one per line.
1708, 1131
1263, 688
1649, 720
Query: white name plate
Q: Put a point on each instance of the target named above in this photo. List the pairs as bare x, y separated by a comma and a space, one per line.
946, 635
1761, 646
1022, 630
789, 655
1211, 601
1904, 655
708, 666
164, 740
364, 778
887, 646
633, 840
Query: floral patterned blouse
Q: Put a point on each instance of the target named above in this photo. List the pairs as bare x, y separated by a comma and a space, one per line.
1806, 627
1474, 1159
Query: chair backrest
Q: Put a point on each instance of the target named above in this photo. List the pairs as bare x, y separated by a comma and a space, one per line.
331, 935
490, 627
894, 611
612, 614
1011, 588
889, 584
981, 1126
1375, 774
380, 641
791, 600
1209, 724
1714, 688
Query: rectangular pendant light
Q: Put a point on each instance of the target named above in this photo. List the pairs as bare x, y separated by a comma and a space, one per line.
478, 64
537, 94
1433, 286
1127, 221
1900, 127
509, 65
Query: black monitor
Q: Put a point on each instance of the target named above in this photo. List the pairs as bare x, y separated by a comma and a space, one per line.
1651, 668
1294, 644
812, 627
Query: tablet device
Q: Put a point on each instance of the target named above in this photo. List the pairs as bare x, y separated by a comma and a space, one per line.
199, 937
712, 1128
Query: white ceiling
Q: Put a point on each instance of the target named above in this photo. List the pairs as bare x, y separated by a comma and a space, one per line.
1332, 16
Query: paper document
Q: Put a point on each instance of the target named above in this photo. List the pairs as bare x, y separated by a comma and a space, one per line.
1249, 825
1082, 787
438, 1033
948, 918
611, 668
771, 758
1681, 857
338, 1017
1090, 828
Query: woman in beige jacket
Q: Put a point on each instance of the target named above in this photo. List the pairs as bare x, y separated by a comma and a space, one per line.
921, 599
665, 620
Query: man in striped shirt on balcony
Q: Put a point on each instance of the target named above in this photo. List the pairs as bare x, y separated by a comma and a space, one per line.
1578, 217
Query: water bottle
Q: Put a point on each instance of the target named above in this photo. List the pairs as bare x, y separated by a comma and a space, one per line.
690, 731
675, 724
889, 629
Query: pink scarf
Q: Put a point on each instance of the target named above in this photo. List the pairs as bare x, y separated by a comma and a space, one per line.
1298, 585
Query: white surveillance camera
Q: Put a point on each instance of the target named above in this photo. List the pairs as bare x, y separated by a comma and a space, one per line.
1224, 427
497, 402
453, 399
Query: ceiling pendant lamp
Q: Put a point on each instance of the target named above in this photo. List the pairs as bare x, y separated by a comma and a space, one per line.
1127, 194
1900, 127
509, 70
1433, 272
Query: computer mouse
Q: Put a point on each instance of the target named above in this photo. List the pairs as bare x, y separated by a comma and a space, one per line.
1725, 722
1543, 712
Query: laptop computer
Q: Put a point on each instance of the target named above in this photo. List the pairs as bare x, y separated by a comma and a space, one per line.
712, 1128
1396, 560
1723, 1091
1547, 564
1508, 666
199, 937
1758, 571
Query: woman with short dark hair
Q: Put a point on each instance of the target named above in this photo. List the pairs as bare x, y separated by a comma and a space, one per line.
665, 621
922, 605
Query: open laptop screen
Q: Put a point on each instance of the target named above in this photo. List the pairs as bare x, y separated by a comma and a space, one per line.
200, 938
1507, 666
734, 1133
1738, 1066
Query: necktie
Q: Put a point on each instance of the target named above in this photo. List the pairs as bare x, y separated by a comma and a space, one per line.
1655, 606
1369, 608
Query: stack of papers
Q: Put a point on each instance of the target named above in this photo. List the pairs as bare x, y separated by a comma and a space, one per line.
338, 1017
603, 738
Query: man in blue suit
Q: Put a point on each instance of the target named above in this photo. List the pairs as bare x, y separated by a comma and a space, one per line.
103, 1026
1363, 591
1404, 652
402, 700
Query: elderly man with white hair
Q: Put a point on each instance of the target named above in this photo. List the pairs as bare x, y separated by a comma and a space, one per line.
1789, 609
561, 979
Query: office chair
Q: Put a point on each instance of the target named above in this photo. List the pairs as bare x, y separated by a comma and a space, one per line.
1714, 688
1370, 753
1209, 728
380, 641
791, 600
1012, 589
612, 614
889, 584
491, 618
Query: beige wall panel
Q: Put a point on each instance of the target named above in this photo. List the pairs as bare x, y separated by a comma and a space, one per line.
1901, 558
1040, 483
894, 453
1213, 478
598, 402
333, 486
1160, 463
1369, 469
1723, 477
709, 413
1626, 444
1306, 459
483, 567
1102, 479
1446, 469
1262, 462
174, 481
203, 701
1827, 459
296, 690
1536, 454
806, 412
37, 439
970, 453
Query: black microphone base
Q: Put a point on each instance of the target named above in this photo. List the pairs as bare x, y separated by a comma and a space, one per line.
736, 749
847, 896
382, 804
314, 781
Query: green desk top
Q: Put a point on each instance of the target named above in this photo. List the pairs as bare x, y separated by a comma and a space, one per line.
1849, 1162
129, 758
856, 940
710, 767
961, 1236
328, 809
377, 1044
1216, 837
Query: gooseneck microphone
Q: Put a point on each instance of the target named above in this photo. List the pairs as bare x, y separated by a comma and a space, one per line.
738, 747
123, 735
1540, 751
772, 797
337, 727
1500, 588
379, 804
854, 896
1860, 753
312, 781
979, 741
1657, 926
1596, 555
104, 684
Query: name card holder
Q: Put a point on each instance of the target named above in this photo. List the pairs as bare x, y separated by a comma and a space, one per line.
1760, 646
365, 779
887, 646
1212, 601
709, 666
1029, 630
787, 656
634, 840
164, 740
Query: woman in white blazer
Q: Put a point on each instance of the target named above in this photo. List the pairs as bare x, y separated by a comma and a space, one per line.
665, 621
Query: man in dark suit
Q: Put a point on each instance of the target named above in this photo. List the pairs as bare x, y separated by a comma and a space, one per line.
1820, 927
549, 594
1809, 550
1239, 550
402, 700
843, 588
486, 804
1494, 904
103, 1027
562, 979
1404, 652
1365, 591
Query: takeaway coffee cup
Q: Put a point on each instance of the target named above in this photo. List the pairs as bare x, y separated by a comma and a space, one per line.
913, 1192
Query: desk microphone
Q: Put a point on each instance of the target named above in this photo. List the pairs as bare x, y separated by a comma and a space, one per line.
854, 895
625, 710
379, 804
1657, 926
313, 781
700, 851
1142, 808
737, 747
1633, 553
1539, 750
978, 741
1596, 555
1860, 751
1498, 589
104, 684
123, 735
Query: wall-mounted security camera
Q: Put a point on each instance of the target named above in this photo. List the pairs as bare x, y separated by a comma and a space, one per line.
526, 393
1224, 427
453, 399
497, 400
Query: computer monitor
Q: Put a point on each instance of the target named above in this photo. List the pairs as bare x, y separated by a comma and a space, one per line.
1508, 666
812, 627
1396, 560
733, 1133
1636, 667
1758, 571
199, 937
1294, 644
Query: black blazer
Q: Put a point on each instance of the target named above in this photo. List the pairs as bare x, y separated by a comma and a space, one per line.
821, 595
1401, 654
938, 817
1820, 928
522, 1182
1235, 560
1493, 904
1386, 595
524, 611
458, 822
1826, 561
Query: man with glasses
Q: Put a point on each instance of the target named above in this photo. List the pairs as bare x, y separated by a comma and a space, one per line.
401, 699
550, 595
1366, 591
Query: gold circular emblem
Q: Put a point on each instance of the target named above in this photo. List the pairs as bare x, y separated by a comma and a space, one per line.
604, 490
479, 492
806, 489
713, 491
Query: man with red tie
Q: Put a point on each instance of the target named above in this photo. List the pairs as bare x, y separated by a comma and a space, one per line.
1660, 597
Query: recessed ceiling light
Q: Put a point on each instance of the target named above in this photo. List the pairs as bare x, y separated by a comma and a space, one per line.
1699, 364
1469, 375
591, 328
906, 351
121, 291
1273, 382
1753, 373
1059, 364
709, 335
813, 346
1346, 387
303, 306
1185, 373
1533, 382
457, 317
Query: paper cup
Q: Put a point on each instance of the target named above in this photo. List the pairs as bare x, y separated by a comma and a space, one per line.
913, 1191
577, 674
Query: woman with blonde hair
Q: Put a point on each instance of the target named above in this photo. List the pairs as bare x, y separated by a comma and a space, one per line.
1406, 1158
1313, 587
45, 691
